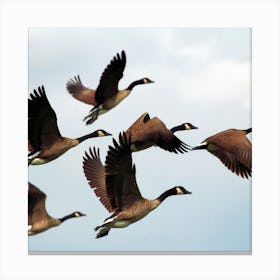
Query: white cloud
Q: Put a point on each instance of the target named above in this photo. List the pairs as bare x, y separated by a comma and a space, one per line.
200, 53
219, 82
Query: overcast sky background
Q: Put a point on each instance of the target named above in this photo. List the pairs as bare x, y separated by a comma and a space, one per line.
201, 76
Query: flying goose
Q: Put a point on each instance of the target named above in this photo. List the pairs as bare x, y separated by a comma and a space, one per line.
233, 148
116, 187
107, 95
45, 142
146, 132
38, 217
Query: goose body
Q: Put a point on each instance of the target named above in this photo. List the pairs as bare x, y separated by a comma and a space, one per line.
38, 218
146, 132
116, 187
233, 149
107, 95
45, 142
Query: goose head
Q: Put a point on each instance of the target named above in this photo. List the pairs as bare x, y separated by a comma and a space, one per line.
101, 133
184, 126
78, 214
146, 81
181, 190
189, 126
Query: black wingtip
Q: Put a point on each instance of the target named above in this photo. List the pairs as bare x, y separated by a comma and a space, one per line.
38, 93
123, 54
123, 144
41, 90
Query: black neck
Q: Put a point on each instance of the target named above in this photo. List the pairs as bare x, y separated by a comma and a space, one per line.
85, 137
135, 83
166, 194
67, 217
177, 128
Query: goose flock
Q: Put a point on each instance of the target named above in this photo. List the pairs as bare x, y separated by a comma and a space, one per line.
114, 182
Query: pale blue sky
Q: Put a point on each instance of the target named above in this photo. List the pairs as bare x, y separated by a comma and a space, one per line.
201, 76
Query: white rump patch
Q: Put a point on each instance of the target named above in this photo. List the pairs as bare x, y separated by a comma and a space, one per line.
34, 155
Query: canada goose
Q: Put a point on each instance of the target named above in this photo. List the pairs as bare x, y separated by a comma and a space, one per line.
233, 148
45, 142
107, 95
116, 186
146, 132
38, 217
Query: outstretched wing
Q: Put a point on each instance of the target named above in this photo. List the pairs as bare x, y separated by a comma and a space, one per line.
95, 174
120, 174
42, 122
80, 92
137, 124
36, 205
108, 85
234, 150
156, 133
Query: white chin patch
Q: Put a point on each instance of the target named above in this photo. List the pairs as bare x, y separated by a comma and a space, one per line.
187, 127
179, 191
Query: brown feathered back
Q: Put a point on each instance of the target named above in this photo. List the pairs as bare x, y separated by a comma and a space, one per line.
146, 132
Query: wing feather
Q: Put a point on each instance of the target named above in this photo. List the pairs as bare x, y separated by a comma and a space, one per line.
42, 121
36, 205
154, 132
234, 150
120, 174
84, 94
95, 174
108, 85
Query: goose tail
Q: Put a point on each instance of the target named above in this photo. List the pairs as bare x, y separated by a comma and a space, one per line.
102, 231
